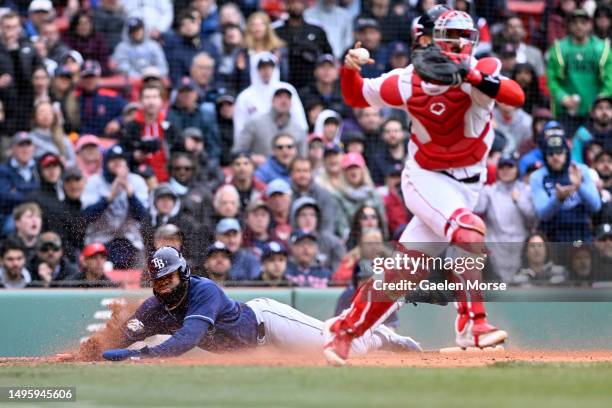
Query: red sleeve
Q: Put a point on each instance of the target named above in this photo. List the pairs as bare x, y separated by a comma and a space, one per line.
351, 84
510, 93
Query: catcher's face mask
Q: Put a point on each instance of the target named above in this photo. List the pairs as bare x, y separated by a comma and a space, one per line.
455, 34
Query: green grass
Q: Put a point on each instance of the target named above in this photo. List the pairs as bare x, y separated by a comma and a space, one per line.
502, 385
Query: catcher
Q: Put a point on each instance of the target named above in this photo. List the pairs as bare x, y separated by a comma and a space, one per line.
450, 97
197, 313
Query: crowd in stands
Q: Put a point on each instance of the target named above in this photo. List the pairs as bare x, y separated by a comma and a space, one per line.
219, 128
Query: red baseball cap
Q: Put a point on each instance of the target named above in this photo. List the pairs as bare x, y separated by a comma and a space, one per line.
353, 159
49, 159
94, 249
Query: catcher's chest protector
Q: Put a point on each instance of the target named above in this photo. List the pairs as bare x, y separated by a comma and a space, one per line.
440, 129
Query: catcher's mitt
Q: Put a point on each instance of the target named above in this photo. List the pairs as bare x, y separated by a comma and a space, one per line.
433, 66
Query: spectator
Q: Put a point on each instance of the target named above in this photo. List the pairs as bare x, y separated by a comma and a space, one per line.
361, 274
183, 45
185, 113
277, 164
537, 267
507, 54
396, 211
109, 19
279, 203
232, 58
273, 264
540, 117
325, 87
101, 109
509, 215
306, 216
304, 269
394, 26
564, 195
28, 224
89, 155
303, 185
603, 256
71, 223
357, 190
208, 172
50, 264
599, 128
48, 66
218, 263
242, 177
603, 21
18, 176
17, 63
330, 177
369, 121
209, 14
62, 92
258, 131
38, 12
114, 205
149, 136
50, 34
367, 217
82, 37
40, 84
170, 235
514, 32
157, 15
226, 202
48, 136
483, 46
257, 227
225, 120
534, 159
315, 153
137, 52
257, 98
13, 272
603, 166
368, 32
572, 88
93, 260
202, 74
306, 43
245, 265
525, 75
399, 56
556, 26
73, 62
195, 197
354, 142
514, 123
581, 265
336, 21
328, 126
49, 195
261, 41
393, 152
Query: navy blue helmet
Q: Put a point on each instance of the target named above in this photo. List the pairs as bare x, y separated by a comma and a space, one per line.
167, 260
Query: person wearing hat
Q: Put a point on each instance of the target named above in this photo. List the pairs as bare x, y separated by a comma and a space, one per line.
257, 98
563, 194
50, 264
49, 195
276, 166
305, 42
599, 128
368, 32
39, 11
224, 108
315, 152
335, 20
70, 224
329, 126
185, 113
18, 175
114, 205
138, 51
259, 131
330, 176
89, 155
16, 94
256, 227
399, 55
535, 157
515, 33
572, 89
217, 263
109, 19
306, 216
602, 164
603, 255
278, 193
509, 215
245, 265
357, 189
93, 263
273, 264
209, 172
304, 269
326, 88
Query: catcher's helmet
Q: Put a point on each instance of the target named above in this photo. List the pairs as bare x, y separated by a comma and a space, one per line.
454, 32
425, 23
167, 260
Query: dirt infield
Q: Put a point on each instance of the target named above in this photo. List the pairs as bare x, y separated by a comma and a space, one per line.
267, 357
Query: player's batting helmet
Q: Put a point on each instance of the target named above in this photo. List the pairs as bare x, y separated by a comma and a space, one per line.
167, 260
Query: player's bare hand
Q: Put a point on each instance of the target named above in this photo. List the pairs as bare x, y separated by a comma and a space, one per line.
354, 59
575, 175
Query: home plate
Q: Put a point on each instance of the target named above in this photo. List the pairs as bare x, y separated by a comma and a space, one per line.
497, 349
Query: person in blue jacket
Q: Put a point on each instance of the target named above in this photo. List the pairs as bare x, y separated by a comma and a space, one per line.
535, 158
564, 195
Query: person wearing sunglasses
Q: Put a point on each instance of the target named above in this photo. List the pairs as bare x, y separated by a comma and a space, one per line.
50, 265
277, 164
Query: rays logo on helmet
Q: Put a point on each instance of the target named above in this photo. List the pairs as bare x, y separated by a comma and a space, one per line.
158, 263
135, 325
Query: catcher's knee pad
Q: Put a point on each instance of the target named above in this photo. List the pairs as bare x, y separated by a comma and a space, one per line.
467, 230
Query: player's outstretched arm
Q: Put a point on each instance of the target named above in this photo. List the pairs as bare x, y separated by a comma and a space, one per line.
351, 82
485, 77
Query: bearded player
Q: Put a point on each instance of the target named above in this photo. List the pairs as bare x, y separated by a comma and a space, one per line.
450, 97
